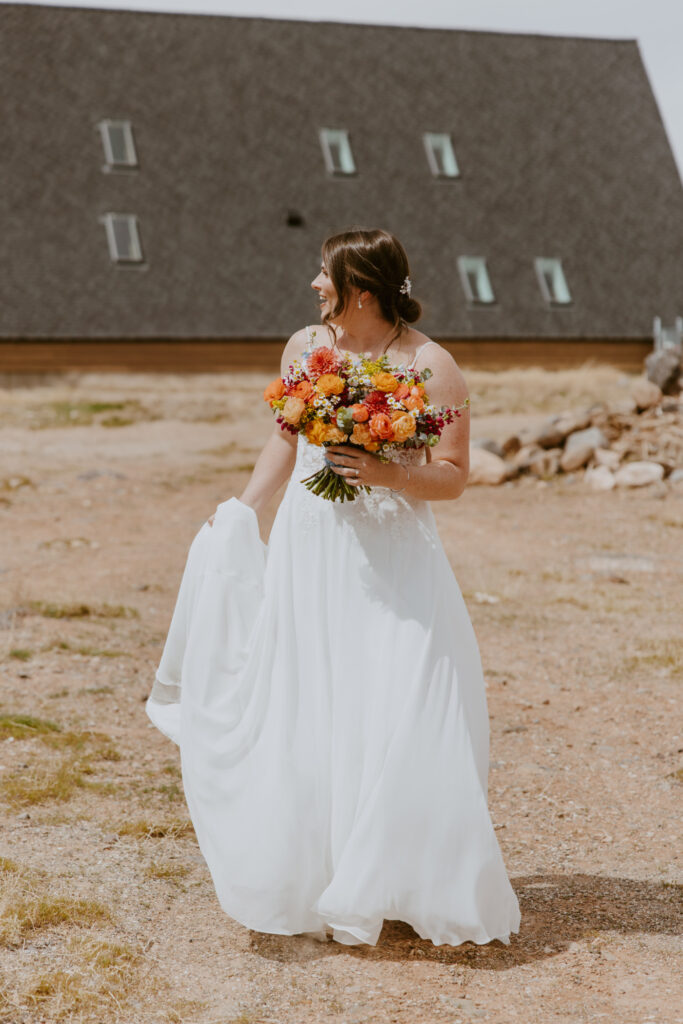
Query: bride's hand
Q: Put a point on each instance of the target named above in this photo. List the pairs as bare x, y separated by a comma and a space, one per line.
363, 469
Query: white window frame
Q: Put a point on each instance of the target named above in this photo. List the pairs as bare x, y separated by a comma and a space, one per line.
559, 294
340, 136
476, 265
444, 141
136, 254
126, 127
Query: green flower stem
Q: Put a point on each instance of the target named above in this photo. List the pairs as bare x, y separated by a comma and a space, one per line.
332, 486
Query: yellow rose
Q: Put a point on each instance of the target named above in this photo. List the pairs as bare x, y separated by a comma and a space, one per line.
292, 410
384, 382
361, 434
316, 431
334, 434
329, 384
404, 427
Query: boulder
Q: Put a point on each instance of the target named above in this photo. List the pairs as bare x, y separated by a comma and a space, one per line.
523, 458
625, 407
511, 445
576, 457
606, 457
639, 474
545, 463
486, 467
676, 478
646, 394
663, 368
600, 478
593, 437
489, 445
545, 434
567, 422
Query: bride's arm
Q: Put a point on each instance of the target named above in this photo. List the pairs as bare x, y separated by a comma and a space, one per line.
276, 460
445, 475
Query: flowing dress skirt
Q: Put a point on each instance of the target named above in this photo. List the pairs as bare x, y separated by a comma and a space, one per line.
327, 695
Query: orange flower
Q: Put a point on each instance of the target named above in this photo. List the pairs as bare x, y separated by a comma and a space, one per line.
360, 412
384, 382
414, 402
404, 427
418, 390
380, 426
292, 410
329, 384
302, 389
334, 434
275, 390
316, 431
323, 360
361, 434
402, 391
373, 447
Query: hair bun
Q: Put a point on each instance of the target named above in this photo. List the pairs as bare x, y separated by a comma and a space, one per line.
408, 309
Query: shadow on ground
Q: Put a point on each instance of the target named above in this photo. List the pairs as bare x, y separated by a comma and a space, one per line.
556, 911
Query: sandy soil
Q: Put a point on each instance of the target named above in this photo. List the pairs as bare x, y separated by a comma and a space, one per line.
108, 912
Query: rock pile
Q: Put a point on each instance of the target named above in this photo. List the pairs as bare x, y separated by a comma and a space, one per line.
634, 443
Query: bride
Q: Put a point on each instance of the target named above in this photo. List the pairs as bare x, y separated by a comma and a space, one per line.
326, 690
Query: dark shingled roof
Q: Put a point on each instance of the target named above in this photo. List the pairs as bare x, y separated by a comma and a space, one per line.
559, 140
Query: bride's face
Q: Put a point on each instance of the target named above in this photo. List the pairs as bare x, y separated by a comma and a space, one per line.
326, 291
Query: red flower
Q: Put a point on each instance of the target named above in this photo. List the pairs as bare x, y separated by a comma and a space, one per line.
376, 401
323, 360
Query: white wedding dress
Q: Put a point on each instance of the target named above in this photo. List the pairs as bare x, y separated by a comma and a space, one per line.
326, 691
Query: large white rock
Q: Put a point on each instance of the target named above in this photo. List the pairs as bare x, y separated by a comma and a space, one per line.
646, 394
576, 457
639, 474
545, 463
600, 478
593, 436
486, 467
606, 457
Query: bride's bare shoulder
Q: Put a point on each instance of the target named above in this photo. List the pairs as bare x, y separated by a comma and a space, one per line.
448, 379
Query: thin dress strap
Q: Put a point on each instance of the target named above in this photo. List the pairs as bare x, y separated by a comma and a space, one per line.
414, 359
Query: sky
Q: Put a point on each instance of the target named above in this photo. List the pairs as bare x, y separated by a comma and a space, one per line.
656, 24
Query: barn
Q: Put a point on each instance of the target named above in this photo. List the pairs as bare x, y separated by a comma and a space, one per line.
168, 180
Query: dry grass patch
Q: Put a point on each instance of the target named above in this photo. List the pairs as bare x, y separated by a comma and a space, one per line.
21, 727
174, 829
42, 784
663, 654
166, 871
74, 610
49, 781
99, 978
21, 653
536, 390
28, 904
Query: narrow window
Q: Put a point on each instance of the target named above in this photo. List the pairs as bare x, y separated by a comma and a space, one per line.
440, 154
337, 151
123, 237
118, 143
552, 281
475, 279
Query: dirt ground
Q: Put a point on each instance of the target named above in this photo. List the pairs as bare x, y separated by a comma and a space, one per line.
108, 912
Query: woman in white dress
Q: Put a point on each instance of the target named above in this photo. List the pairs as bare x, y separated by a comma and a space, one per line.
326, 690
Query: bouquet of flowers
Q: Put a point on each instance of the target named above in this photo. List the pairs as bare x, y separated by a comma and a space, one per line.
331, 399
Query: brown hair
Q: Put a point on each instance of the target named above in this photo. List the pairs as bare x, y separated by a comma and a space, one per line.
374, 261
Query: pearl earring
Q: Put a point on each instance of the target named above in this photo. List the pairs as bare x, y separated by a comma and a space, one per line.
360, 304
